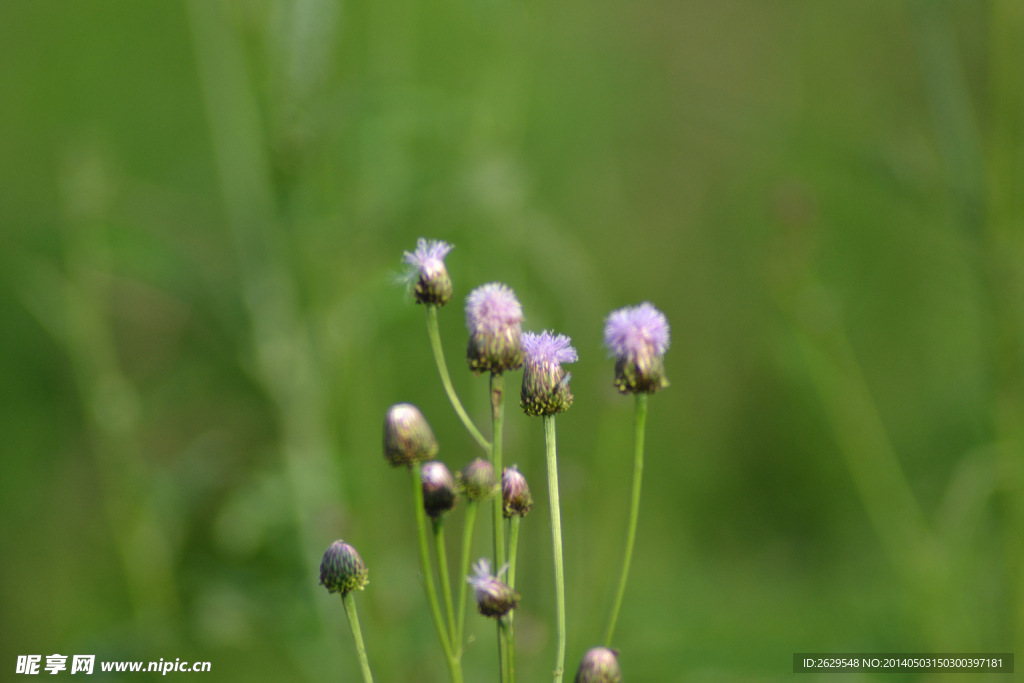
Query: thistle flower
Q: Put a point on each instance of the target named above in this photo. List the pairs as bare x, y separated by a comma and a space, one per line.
493, 596
342, 570
638, 336
545, 383
428, 276
599, 665
439, 494
515, 494
478, 480
494, 318
408, 438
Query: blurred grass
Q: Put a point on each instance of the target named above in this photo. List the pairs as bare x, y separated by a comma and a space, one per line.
203, 205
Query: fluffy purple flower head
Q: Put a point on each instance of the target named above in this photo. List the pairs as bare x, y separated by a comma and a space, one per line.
545, 383
495, 321
638, 336
494, 598
428, 276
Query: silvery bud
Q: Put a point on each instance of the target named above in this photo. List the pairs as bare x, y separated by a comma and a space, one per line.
599, 665
478, 480
439, 494
342, 570
515, 494
408, 438
428, 276
493, 596
638, 336
545, 382
495, 321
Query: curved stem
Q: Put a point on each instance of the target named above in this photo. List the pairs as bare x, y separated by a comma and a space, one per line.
497, 425
467, 547
446, 380
513, 544
353, 620
556, 540
428, 576
446, 584
634, 510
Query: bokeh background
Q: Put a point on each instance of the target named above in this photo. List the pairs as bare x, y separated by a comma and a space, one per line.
203, 207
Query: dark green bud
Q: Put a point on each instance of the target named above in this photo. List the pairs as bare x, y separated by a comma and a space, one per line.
515, 494
439, 495
342, 570
478, 481
599, 665
408, 438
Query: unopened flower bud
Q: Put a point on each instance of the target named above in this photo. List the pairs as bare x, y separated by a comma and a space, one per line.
428, 276
638, 336
599, 665
515, 494
342, 570
495, 321
439, 494
545, 382
478, 480
493, 596
408, 438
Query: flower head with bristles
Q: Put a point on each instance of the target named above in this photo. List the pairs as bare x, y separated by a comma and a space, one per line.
494, 318
428, 276
439, 494
342, 570
545, 382
515, 493
599, 665
637, 337
493, 596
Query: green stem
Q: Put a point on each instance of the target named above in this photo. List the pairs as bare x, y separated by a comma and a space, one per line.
556, 540
446, 380
497, 425
357, 635
446, 584
634, 510
513, 545
428, 576
467, 547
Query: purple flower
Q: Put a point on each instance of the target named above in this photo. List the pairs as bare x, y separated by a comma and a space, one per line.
430, 281
494, 598
638, 336
494, 318
545, 383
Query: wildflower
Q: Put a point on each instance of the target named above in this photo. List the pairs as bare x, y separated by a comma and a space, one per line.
430, 281
545, 383
478, 480
515, 494
439, 494
342, 570
599, 665
638, 336
493, 596
495, 321
408, 438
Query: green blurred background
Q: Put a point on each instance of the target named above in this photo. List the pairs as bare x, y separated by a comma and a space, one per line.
203, 206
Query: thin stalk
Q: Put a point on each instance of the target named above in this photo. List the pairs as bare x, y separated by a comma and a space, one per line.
428, 576
556, 541
634, 510
513, 545
467, 547
357, 635
446, 584
446, 380
497, 425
